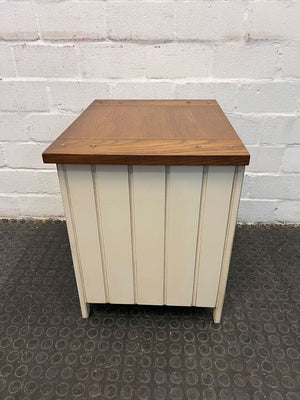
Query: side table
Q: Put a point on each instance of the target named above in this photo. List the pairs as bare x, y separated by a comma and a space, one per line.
151, 192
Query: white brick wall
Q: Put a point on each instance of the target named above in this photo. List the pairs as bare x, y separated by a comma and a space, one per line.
18, 21
57, 56
210, 20
49, 61
69, 20
275, 19
136, 20
179, 60
113, 60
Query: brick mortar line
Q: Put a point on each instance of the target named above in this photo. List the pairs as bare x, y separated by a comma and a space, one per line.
109, 40
57, 195
141, 79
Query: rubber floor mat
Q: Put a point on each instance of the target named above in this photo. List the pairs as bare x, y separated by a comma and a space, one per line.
47, 351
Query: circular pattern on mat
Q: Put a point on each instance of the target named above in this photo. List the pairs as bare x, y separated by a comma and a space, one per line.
48, 351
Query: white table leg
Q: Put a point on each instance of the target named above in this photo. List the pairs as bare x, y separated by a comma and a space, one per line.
85, 307
234, 205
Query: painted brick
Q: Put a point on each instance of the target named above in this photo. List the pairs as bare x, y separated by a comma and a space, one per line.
140, 20
47, 182
76, 96
271, 97
279, 129
295, 132
7, 63
72, 20
28, 181
266, 129
275, 187
2, 156
13, 127
46, 127
9, 206
224, 93
23, 96
178, 61
142, 90
265, 158
113, 60
288, 211
291, 160
243, 53
246, 187
40, 205
274, 20
247, 127
290, 60
12, 181
209, 20
49, 60
25, 155
257, 210
237, 60
17, 21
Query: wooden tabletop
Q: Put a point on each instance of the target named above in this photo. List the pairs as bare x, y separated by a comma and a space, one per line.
177, 132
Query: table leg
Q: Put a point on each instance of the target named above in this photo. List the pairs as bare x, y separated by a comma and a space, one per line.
84, 305
234, 205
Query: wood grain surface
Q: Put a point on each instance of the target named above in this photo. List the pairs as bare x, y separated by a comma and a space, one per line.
182, 132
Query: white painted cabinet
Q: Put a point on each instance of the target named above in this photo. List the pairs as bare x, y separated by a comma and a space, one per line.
151, 234
151, 190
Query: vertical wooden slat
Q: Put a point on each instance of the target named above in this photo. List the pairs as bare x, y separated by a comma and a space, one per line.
85, 309
82, 203
199, 233
132, 232
113, 203
213, 223
148, 196
234, 205
183, 206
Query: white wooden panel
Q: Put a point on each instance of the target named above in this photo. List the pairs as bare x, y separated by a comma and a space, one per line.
234, 205
82, 203
213, 223
183, 206
73, 242
113, 197
148, 198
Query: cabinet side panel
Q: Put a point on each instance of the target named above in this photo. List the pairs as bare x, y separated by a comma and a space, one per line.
73, 241
183, 205
82, 203
234, 205
213, 221
114, 209
148, 199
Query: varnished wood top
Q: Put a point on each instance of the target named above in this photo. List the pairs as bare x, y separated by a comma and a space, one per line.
191, 132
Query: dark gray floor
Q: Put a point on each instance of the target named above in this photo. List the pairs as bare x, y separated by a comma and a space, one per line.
134, 352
